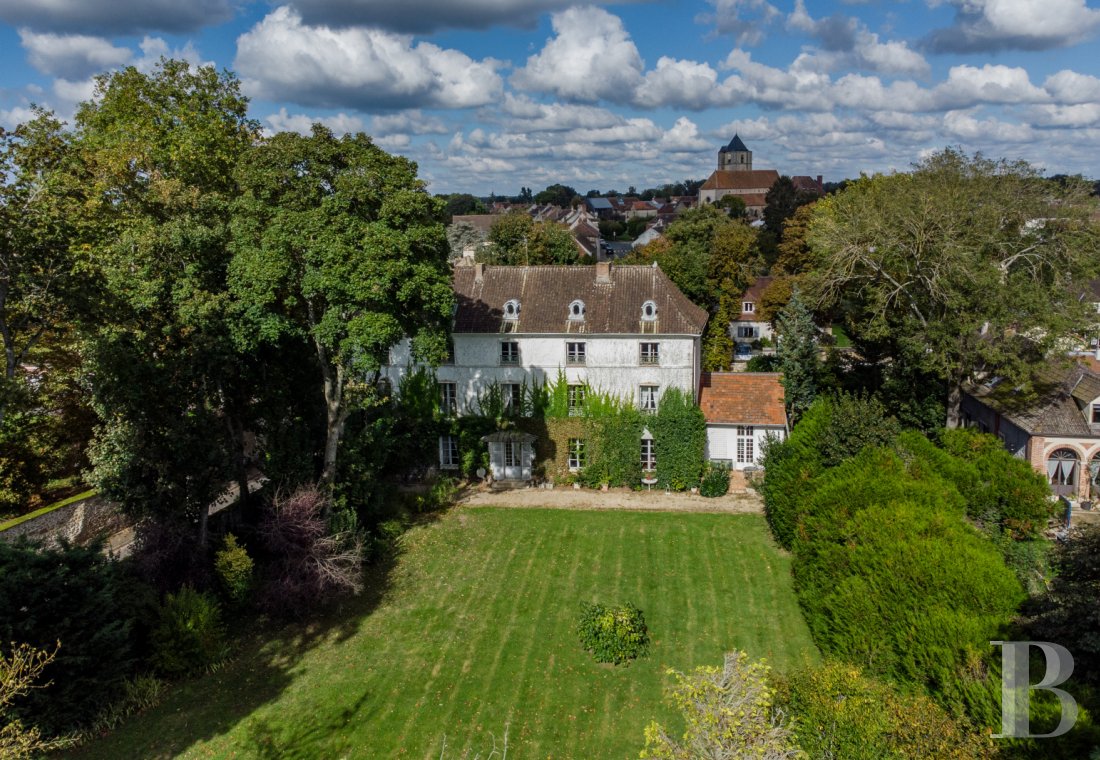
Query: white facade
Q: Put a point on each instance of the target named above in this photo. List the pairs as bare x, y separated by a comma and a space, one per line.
740, 446
612, 363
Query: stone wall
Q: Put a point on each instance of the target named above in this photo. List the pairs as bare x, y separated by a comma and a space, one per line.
79, 522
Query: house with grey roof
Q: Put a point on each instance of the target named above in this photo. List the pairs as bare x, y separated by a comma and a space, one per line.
623, 330
1056, 427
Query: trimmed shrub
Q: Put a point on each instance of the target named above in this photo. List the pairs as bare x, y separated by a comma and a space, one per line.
613, 634
716, 482
92, 606
234, 569
680, 436
857, 420
837, 712
190, 636
789, 469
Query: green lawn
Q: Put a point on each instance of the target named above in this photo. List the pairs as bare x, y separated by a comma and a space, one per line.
474, 633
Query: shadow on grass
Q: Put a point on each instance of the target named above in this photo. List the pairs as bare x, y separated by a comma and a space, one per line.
265, 663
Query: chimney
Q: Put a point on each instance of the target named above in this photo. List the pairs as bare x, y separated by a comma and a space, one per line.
479, 272
820, 184
603, 271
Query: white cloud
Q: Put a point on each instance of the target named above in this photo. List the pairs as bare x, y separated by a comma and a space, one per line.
1070, 87
678, 83
847, 43
962, 125
283, 59
115, 17
407, 122
1075, 116
591, 57
155, 48
301, 123
969, 85
13, 117
988, 25
684, 137
531, 116
71, 55
745, 20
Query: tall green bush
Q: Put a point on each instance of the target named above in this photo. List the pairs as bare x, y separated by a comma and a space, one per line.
93, 606
234, 569
680, 436
789, 469
190, 636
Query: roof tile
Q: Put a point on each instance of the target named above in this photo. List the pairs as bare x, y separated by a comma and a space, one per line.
742, 398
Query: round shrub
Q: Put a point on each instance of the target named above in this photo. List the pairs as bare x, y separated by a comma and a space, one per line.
234, 568
190, 636
716, 482
613, 634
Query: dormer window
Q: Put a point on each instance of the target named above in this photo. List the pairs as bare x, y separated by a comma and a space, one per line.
748, 307
1095, 419
649, 311
576, 311
511, 310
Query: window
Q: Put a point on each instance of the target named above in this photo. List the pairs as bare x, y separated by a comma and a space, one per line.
450, 358
511, 455
575, 353
1096, 414
511, 310
746, 332
576, 399
650, 353
649, 311
509, 352
576, 310
746, 444
748, 307
448, 398
513, 398
448, 452
576, 454
649, 455
647, 398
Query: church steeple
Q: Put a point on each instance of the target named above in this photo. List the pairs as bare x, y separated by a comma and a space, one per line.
735, 156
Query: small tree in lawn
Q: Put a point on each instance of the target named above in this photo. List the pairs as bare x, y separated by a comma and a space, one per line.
728, 713
797, 356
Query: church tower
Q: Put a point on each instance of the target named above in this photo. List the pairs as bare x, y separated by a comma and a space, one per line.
735, 157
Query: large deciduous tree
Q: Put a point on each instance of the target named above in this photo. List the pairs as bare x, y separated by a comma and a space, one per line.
338, 244
966, 266
517, 239
157, 154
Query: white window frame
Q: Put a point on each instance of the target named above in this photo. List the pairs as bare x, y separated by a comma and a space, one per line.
748, 307
746, 444
648, 396
512, 454
576, 311
649, 357
649, 311
448, 453
576, 353
1095, 414
512, 394
509, 358
448, 397
511, 310
648, 455
577, 394
577, 454
746, 331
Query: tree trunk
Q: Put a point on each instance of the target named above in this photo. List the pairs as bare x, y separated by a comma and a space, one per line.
204, 521
334, 427
954, 403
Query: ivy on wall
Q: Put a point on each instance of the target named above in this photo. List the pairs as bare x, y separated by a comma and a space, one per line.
680, 435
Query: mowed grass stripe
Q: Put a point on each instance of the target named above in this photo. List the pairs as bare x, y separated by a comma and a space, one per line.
478, 628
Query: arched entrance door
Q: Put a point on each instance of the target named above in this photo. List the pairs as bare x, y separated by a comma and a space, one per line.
1062, 472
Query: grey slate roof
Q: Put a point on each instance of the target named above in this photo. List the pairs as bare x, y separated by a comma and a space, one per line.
1059, 408
735, 145
545, 292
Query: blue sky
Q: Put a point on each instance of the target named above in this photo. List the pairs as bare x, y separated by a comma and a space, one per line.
491, 95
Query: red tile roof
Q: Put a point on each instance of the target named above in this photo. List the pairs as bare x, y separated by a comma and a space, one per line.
760, 180
742, 398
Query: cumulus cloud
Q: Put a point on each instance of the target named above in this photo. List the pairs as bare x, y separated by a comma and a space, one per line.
847, 43
422, 16
115, 17
591, 57
744, 20
71, 55
301, 123
281, 58
990, 25
684, 137
1070, 87
407, 122
686, 84
531, 116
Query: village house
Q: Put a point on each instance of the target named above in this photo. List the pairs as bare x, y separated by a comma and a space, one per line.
1058, 431
742, 410
748, 326
735, 176
623, 330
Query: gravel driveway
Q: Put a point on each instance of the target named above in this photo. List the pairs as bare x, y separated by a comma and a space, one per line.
738, 502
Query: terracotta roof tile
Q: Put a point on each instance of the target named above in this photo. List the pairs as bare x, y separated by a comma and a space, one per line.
754, 179
545, 292
742, 398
